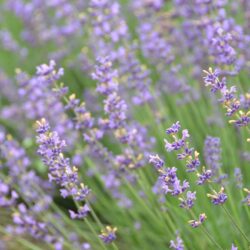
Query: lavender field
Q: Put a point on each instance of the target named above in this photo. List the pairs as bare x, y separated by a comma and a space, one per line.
124, 124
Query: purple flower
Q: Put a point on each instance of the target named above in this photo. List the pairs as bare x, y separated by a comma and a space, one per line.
177, 244
45, 69
238, 177
245, 101
39, 97
114, 106
212, 79
51, 151
187, 153
247, 199
174, 145
108, 235
230, 101
212, 155
86, 246
9, 43
17, 163
157, 162
197, 223
193, 164
227, 94
233, 107
234, 247
174, 129
81, 213
243, 120
43, 128
218, 198
220, 44
8, 197
105, 76
204, 176
170, 183
26, 223
178, 143
191, 156
188, 202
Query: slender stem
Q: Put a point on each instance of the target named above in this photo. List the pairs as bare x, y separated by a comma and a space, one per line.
94, 232
148, 191
235, 224
91, 227
206, 232
94, 215
115, 246
210, 237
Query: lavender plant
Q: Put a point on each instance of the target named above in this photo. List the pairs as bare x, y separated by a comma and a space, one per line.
124, 124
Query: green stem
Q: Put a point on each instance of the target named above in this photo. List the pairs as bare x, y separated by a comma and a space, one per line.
210, 237
235, 224
94, 232
94, 215
205, 231
115, 246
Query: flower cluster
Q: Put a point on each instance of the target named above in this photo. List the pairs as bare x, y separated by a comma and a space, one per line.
82, 212
83, 118
188, 154
129, 133
218, 198
234, 247
177, 244
114, 106
188, 202
212, 156
197, 223
220, 42
26, 223
228, 98
204, 176
108, 235
170, 183
247, 199
17, 164
25, 219
130, 68
238, 177
10, 44
7, 197
51, 151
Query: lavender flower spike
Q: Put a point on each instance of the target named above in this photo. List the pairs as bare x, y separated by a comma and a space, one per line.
178, 143
51, 151
170, 183
234, 247
238, 177
177, 244
218, 198
247, 199
197, 223
204, 176
212, 79
188, 154
82, 212
108, 234
157, 162
188, 202
174, 129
